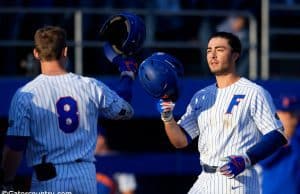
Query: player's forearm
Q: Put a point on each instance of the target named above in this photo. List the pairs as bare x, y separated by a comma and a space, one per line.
124, 88
10, 162
269, 143
175, 134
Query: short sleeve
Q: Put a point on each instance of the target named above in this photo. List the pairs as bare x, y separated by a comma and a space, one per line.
19, 115
110, 104
264, 112
189, 121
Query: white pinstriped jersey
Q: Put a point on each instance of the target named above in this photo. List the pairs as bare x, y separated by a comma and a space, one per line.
59, 114
230, 120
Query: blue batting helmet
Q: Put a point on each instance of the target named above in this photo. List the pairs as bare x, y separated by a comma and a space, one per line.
125, 31
172, 61
159, 75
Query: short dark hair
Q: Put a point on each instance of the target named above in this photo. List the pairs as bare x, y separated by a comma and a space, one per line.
49, 42
233, 40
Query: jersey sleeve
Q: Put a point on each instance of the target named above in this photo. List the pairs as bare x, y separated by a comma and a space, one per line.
189, 120
264, 112
111, 105
19, 115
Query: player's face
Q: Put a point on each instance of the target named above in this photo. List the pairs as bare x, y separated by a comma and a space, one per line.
220, 57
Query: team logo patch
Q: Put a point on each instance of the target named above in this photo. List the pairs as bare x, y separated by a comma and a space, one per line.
122, 112
235, 187
234, 102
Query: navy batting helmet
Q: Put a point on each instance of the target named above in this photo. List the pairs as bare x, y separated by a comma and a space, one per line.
125, 31
159, 75
172, 61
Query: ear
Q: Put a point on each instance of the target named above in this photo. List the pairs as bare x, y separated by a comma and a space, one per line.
65, 52
36, 54
235, 56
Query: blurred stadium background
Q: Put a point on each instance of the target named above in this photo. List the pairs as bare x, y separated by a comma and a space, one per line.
271, 57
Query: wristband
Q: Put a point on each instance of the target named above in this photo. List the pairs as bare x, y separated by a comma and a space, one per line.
167, 116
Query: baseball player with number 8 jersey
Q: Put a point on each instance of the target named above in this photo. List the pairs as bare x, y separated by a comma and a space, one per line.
235, 122
54, 117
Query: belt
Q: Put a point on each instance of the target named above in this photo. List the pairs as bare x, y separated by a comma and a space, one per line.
209, 169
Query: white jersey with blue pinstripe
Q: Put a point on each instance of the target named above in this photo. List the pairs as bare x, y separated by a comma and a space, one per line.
59, 114
229, 121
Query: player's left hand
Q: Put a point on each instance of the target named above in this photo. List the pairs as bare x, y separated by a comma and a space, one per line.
234, 165
126, 63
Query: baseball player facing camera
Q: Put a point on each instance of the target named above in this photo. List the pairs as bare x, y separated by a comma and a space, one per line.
235, 121
54, 118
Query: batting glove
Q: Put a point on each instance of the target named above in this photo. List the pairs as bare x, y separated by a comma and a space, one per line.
127, 65
234, 165
165, 108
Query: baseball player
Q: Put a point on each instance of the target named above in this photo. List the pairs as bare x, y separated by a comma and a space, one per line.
235, 122
283, 167
54, 117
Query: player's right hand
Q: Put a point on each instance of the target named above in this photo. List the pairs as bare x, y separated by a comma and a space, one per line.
165, 108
